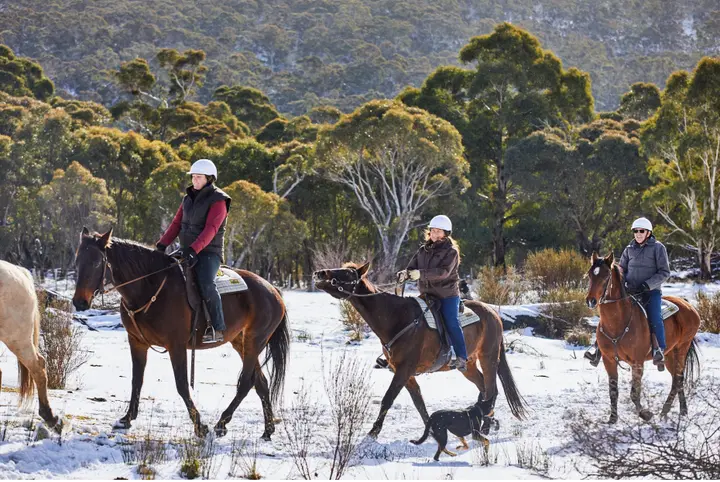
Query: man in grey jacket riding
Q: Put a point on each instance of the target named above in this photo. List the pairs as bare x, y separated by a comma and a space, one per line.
644, 263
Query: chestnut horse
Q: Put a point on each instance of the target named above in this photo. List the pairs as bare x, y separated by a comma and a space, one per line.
412, 347
623, 334
256, 319
20, 331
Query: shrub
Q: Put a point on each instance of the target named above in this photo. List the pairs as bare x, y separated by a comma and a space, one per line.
353, 321
565, 310
61, 341
709, 308
553, 269
500, 288
578, 337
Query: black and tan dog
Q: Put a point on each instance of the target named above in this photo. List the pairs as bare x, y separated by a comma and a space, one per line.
459, 422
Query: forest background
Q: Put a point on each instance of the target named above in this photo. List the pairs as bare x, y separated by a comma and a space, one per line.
340, 128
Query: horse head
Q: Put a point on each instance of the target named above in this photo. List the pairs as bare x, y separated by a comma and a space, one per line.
90, 265
599, 273
340, 282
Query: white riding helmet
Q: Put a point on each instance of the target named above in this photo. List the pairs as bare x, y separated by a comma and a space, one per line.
441, 222
642, 223
204, 166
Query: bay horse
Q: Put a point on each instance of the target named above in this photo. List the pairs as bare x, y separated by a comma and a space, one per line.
411, 347
155, 311
20, 331
623, 334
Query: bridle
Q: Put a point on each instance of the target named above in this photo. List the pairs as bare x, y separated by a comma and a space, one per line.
339, 284
603, 301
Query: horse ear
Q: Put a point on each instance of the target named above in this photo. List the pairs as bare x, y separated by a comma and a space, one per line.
610, 258
594, 257
85, 231
363, 269
104, 240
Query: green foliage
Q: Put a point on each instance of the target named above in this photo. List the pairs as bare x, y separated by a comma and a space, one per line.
681, 140
641, 102
20, 76
346, 53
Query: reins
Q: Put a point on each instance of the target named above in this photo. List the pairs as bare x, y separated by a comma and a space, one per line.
604, 301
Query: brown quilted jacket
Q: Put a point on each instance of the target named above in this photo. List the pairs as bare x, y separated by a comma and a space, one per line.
438, 265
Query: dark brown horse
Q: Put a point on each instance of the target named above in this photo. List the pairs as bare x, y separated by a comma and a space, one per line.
256, 319
623, 334
414, 347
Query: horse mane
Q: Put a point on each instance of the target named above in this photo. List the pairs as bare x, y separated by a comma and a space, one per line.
134, 259
363, 279
618, 269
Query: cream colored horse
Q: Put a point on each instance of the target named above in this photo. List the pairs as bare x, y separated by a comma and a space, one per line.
20, 331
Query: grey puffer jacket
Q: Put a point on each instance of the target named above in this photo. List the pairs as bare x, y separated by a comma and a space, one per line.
645, 263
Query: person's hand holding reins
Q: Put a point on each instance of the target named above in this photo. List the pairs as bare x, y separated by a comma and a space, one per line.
160, 247
185, 255
413, 274
401, 276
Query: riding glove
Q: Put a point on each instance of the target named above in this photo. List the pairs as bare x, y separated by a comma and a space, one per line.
160, 247
414, 274
185, 255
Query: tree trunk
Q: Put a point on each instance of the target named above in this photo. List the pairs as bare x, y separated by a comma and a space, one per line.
499, 210
704, 254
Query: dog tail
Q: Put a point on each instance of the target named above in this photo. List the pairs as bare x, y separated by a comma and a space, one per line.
424, 435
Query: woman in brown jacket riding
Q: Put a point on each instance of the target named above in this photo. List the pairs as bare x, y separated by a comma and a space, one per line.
435, 268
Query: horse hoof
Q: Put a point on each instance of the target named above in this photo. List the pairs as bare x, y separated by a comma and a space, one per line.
645, 414
202, 431
58, 427
374, 434
683, 413
121, 424
612, 420
266, 437
220, 431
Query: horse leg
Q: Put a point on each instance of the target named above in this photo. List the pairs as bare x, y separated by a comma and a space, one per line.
35, 364
635, 390
263, 391
178, 358
138, 354
475, 376
414, 389
611, 369
400, 379
489, 366
671, 361
245, 346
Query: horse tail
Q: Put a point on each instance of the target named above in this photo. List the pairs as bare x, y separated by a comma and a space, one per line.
277, 351
692, 363
424, 435
515, 400
27, 385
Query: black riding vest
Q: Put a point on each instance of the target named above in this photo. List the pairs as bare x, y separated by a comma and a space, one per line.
195, 208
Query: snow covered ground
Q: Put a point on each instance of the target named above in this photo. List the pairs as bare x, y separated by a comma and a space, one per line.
552, 376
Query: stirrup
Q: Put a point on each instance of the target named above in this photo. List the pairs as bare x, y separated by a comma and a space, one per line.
659, 359
593, 357
212, 336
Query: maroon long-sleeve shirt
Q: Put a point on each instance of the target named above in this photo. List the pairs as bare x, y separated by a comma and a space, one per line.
216, 215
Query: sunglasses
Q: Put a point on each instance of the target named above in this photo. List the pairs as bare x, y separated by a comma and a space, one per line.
641, 231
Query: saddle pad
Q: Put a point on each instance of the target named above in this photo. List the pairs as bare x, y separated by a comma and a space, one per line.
467, 318
667, 309
228, 281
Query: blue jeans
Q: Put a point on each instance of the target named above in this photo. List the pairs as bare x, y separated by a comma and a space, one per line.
449, 308
655, 316
205, 269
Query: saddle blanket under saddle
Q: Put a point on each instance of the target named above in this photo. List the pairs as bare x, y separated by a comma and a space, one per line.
228, 281
467, 318
667, 309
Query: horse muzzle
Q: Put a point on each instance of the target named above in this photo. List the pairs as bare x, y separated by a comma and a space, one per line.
591, 302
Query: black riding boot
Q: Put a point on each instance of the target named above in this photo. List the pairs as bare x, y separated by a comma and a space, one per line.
595, 356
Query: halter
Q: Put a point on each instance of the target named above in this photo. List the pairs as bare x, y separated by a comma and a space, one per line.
355, 283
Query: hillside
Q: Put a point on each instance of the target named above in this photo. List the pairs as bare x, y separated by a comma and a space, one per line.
303, 53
